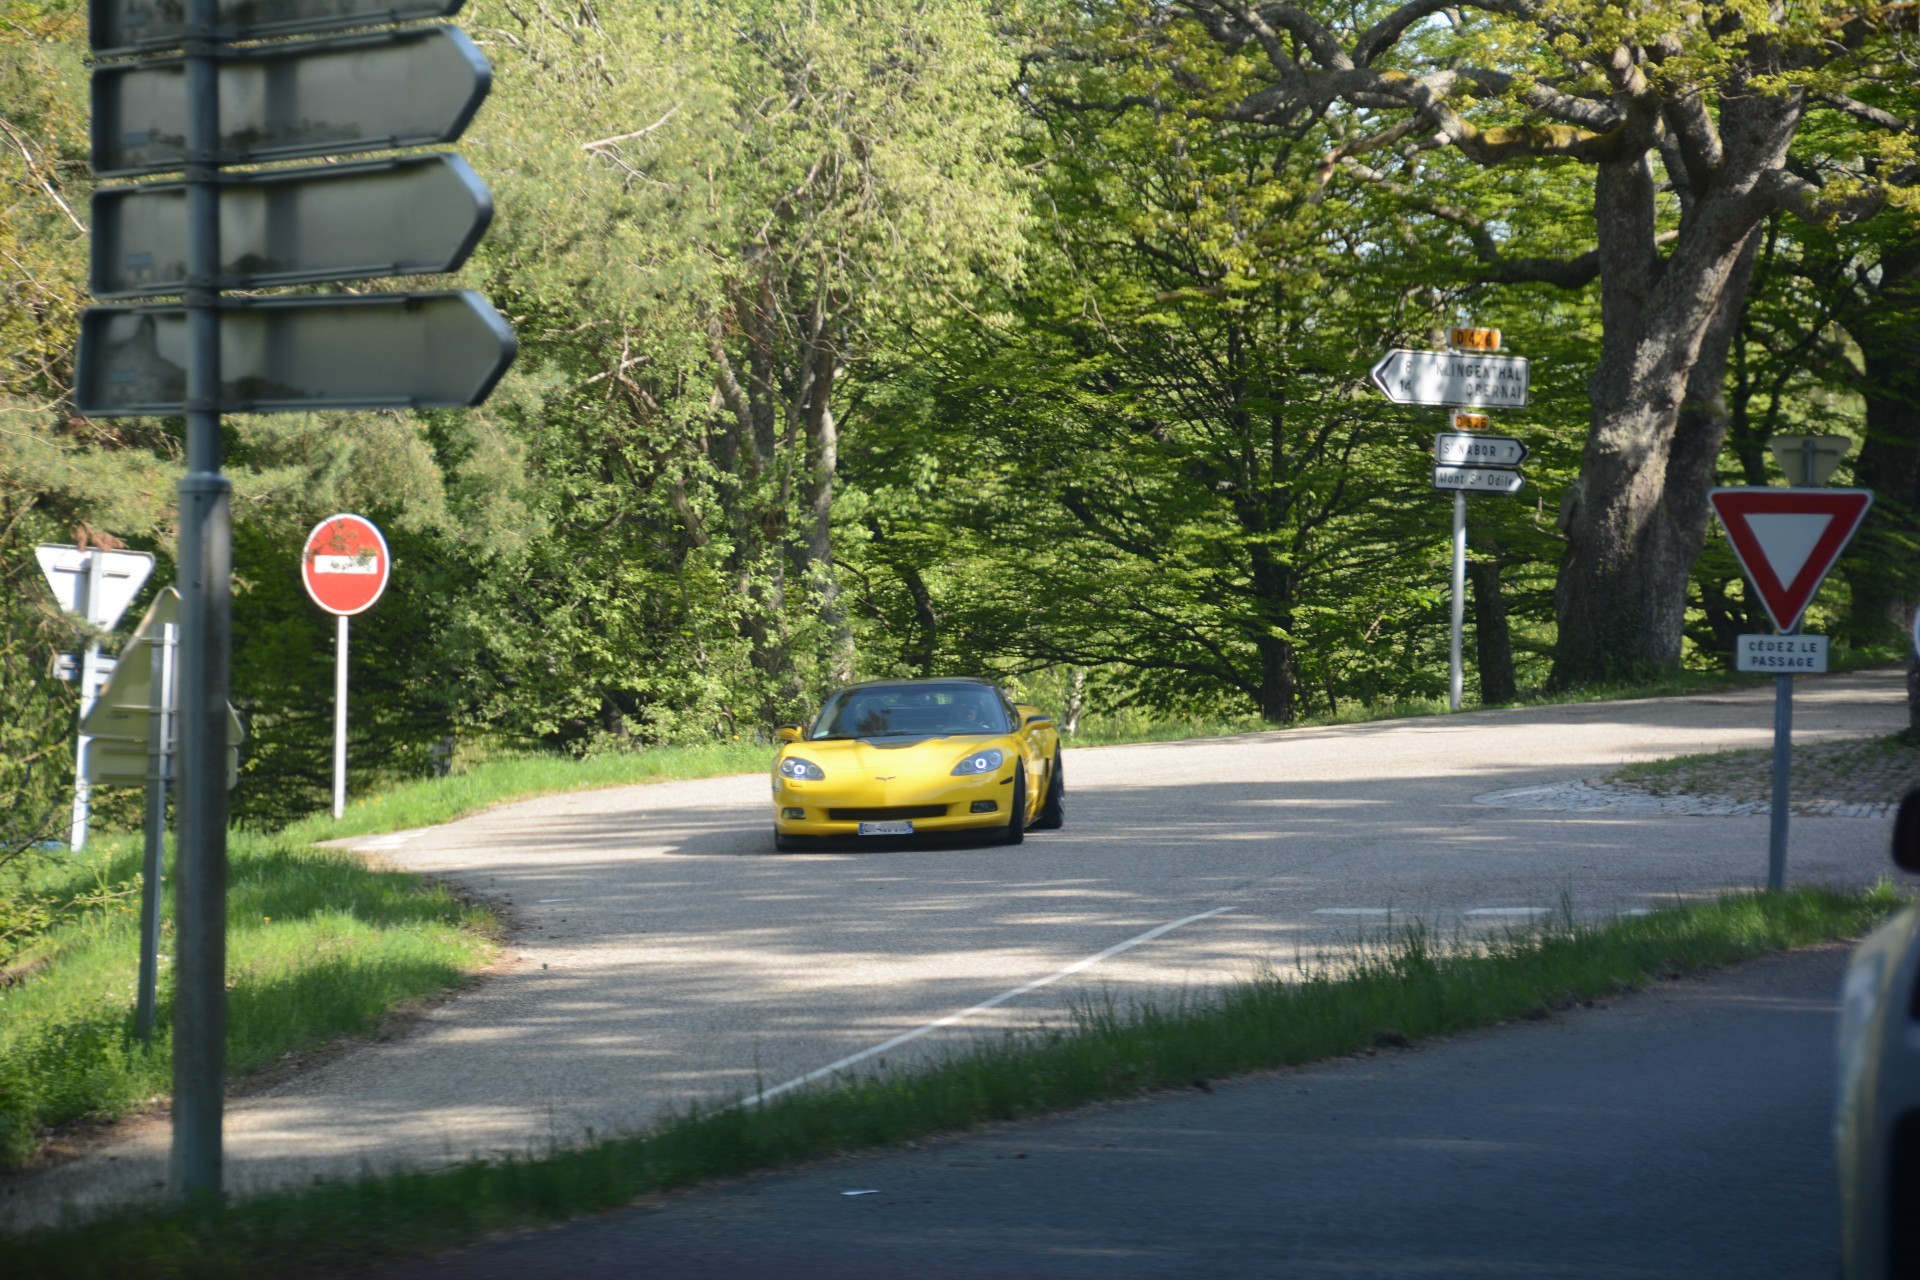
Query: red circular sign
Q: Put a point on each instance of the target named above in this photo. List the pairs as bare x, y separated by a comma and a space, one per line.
345, 564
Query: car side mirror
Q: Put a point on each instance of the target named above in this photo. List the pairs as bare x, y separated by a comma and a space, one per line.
1906, 833
1036, 717
788, 733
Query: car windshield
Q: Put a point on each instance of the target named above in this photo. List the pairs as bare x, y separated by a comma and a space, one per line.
911, 711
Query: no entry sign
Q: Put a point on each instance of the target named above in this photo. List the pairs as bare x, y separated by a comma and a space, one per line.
345, 564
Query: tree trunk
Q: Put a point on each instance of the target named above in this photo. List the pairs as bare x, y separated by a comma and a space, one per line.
1885, 571
1636, 518
1076, 702
1492, 640
1274, 587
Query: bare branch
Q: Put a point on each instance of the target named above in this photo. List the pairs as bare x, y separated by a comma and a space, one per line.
1385, 33
1587, 112
629, 137
1259, 26
34, 171
1870, 114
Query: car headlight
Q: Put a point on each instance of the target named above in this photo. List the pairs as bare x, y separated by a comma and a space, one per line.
980, 762
802, 770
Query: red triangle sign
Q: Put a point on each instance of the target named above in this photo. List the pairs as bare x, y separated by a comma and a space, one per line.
1787, 539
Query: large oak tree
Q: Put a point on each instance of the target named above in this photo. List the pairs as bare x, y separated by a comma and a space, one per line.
1686, 115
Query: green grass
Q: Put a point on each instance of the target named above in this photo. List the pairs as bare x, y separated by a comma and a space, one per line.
1869, 769
1406, 987
319, 947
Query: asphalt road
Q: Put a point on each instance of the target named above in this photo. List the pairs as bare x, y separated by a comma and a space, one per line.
665, 954
1683, 1132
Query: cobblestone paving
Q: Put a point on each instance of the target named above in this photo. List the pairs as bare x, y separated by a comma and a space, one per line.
1848, 778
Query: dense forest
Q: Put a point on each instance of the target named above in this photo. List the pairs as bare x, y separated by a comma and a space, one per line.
1030, 338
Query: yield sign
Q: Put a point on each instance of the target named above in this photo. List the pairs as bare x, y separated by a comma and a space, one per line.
1787, 539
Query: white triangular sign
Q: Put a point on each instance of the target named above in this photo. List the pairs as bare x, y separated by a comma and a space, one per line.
1788, 539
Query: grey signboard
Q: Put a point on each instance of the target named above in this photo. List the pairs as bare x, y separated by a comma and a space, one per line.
1476, 480
1781, 654
136, 26
417, 215
439, 350
1470, 448
283, 102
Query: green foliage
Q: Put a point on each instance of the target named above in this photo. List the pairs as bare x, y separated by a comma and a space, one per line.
1159, 454
935, 337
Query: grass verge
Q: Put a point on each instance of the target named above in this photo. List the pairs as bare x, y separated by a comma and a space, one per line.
318, 947
1406, 987
1864, 770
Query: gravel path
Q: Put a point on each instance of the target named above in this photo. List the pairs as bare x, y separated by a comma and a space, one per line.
1844, 777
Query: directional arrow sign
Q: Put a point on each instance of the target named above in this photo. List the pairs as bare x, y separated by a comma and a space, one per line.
1477, 450
1452, 377
281, 102
132, 26
1476, 479
441, 350
419, 215
69, 572
1787, 540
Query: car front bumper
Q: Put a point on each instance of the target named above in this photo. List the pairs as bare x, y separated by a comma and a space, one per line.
830, 809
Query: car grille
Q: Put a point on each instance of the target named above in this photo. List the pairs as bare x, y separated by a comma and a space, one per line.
888, 814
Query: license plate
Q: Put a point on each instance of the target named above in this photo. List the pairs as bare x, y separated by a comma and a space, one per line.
886, 828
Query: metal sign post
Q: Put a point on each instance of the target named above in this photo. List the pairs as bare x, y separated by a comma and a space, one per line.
159, 774
206, 637
226, 98
1468, 375
345, 566
1786, 540
1456, 664
1781, 797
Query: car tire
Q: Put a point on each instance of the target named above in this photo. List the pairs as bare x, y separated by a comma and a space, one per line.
1017, 819
1053, 811
788, 844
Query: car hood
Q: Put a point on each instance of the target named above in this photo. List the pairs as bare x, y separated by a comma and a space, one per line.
876, 757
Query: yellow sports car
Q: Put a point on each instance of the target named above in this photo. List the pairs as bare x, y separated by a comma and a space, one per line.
914, 757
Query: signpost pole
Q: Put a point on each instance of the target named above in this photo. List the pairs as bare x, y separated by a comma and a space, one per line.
206, 608
340, 717
89, 687
1782, 767
1455, 676
159, 770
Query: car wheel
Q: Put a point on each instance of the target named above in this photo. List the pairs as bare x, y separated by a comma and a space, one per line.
788, 844
1053, 811
1017, 820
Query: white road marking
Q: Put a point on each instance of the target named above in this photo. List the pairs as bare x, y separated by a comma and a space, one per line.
1510, 911
1076, 967
1353, 911
540, 900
